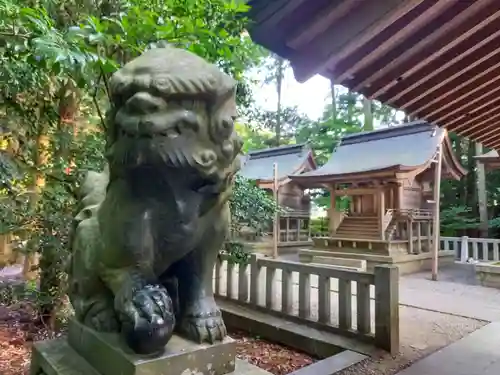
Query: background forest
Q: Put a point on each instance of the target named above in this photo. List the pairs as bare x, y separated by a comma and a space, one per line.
56, 57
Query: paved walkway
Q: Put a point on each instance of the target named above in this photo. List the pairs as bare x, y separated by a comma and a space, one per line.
475, 354
455, 293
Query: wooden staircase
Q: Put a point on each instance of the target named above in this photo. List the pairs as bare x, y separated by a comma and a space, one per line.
360, 227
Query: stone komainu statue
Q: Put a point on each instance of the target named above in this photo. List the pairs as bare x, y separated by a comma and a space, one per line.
150, 226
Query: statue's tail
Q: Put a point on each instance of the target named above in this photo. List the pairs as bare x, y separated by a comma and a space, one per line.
90, 195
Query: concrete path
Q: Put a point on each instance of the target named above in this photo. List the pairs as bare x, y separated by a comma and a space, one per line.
475, 354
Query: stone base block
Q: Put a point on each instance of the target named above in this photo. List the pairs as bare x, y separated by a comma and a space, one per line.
57, 357
87, 352
488, 274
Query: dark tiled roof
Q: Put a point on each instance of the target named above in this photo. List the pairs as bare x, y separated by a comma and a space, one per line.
409, 145
258, 165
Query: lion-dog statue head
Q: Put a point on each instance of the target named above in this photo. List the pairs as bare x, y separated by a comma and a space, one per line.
173, 110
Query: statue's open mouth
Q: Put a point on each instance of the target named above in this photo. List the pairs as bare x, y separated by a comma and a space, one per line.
171, 133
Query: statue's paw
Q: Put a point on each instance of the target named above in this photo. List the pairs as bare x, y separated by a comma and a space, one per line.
148, 319
105, 321
204, 326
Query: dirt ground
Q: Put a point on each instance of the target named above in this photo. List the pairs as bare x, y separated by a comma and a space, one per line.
17, 333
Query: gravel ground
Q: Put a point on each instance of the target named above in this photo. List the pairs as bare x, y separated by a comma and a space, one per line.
422, 332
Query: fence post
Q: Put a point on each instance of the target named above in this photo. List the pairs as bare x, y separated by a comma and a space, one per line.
387, 308
464, 249
255, 277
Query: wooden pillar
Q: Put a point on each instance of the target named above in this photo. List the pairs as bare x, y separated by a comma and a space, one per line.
287, 235
399, 196
437, 198
429, 235
419, 234
410, 236
276, 229
331, 212
381, 213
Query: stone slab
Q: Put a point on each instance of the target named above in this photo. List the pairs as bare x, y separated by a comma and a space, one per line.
110, 356
332, 365
475, 354
56, 357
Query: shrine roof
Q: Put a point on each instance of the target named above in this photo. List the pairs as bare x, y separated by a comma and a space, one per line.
399, 148
258, 164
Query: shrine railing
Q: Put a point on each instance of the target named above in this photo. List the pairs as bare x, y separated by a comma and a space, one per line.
476, 249
317, 295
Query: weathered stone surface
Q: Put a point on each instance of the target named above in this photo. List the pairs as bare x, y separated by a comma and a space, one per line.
109, 355
57, 357
488, 274
149, 227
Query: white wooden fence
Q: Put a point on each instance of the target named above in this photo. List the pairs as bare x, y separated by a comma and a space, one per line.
355, 304
479, 249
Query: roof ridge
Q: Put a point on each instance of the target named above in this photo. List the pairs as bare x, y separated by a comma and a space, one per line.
277, 151
414, 127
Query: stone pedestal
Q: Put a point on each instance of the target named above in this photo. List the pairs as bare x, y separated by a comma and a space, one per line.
86, 352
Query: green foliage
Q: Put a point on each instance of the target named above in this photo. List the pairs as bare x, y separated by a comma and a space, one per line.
250, 206
55, 60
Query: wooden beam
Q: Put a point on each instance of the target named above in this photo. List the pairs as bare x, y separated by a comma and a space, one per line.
348, 34
465, 70
465, 106
360, 60
472, 78
282, 10
436, 222
335, 11
492, 142
381, 212
484, 134
470, 121
481, 85
438, 39
438, 63
355, 191
477, 123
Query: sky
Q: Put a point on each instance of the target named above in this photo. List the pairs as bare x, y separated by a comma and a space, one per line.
310, 97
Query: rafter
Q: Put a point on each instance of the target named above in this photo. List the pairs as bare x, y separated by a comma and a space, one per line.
465, 104
476, 123
334, 12
479, 112
473, 78
349, 34
439, 38
484, 133
360, 59
461, 71
455, 59
488, 133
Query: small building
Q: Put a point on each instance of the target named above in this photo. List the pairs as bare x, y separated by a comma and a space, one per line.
290, 161
388, 176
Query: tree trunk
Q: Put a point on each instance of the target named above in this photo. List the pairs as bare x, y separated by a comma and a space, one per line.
481, 193
368, 113
334, 100
351, 103
279, 81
